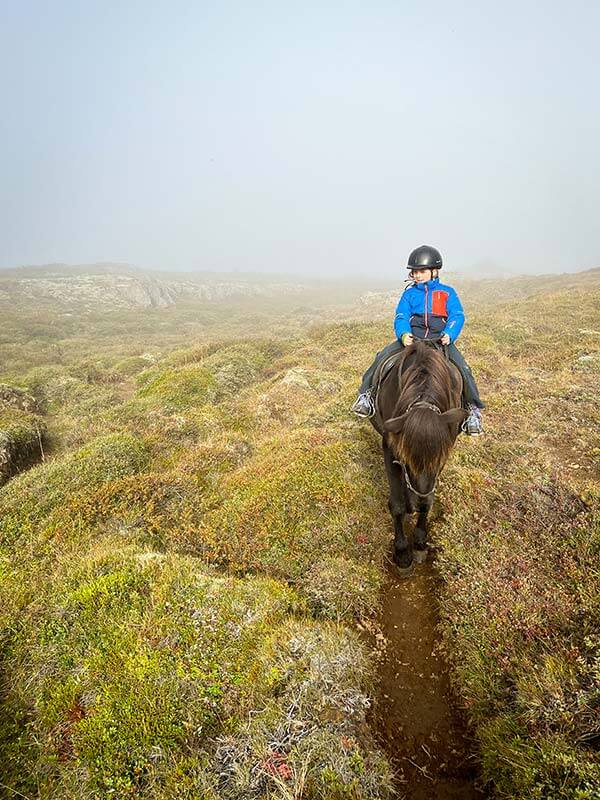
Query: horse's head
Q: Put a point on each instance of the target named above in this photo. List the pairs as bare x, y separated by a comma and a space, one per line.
421, 440
421, 417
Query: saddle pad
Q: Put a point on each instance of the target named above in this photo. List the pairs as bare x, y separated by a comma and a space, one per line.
384, 369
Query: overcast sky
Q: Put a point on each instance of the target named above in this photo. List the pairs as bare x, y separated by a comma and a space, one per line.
325, 138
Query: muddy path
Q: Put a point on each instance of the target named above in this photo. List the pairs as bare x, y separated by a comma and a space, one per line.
415, 715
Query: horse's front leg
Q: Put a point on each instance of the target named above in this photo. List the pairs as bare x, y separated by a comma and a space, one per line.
420, 536
397, 505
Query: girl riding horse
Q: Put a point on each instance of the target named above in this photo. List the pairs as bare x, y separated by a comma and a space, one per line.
418, 406
427, 309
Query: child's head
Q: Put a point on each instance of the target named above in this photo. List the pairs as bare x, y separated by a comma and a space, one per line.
424, 263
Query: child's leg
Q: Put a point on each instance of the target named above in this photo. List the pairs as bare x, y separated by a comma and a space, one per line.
470, 390
388, 350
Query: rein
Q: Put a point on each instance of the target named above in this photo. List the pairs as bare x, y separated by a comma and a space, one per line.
411, 487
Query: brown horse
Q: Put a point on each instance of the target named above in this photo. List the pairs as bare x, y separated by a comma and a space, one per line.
418, 416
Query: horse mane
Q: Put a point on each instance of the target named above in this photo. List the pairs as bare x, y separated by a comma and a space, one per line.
424, 440
426, 377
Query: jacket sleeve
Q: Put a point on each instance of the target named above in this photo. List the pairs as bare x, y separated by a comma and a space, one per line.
456, 316
403, 314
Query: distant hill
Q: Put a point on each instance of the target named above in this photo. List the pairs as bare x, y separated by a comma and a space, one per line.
498, 290
484, 292
105, 286
93, 287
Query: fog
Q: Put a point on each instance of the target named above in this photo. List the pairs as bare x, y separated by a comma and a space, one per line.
300, 137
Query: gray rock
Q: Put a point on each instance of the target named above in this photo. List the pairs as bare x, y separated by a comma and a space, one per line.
17, 398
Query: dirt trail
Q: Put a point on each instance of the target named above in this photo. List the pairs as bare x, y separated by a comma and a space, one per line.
415, 716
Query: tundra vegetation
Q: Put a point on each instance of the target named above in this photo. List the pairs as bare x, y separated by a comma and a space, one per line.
21, 431
182, 578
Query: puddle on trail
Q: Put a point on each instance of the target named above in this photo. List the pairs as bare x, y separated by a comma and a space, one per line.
415, 717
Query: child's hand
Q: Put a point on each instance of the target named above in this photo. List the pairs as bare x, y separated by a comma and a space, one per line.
445, 339
407, 339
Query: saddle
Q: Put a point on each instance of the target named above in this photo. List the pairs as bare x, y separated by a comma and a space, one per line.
384, 369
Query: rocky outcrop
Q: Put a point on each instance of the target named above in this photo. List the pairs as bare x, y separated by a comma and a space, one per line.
12, 397
103, 288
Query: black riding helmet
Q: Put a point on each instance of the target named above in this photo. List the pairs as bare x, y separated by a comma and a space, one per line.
425, 257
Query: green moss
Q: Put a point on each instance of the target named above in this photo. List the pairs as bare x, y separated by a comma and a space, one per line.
129, 666
302, 497
169, 432
132, 365
64, 390
26, 501
240, 364
181, 388
21, 435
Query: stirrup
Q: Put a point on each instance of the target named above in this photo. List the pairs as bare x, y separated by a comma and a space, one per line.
472, 425
364, 406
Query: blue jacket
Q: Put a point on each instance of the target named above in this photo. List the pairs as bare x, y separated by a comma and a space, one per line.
427, 309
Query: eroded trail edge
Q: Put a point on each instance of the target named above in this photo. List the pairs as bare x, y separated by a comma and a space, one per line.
415, 715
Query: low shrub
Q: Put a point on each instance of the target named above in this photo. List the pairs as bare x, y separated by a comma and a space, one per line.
27, 501
311, 739
341, 589
301, 498
521, 609
127, 668
180, 388
21, 435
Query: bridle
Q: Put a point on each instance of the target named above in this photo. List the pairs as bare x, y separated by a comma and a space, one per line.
423, 404
411, 488
409, 484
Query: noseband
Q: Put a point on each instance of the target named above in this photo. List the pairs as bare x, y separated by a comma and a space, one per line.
414, 491
409, 484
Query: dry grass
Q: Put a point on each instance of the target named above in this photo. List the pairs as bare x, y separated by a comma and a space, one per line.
520, 554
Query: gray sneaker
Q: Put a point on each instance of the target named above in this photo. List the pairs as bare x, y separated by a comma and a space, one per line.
472, 425
364, 405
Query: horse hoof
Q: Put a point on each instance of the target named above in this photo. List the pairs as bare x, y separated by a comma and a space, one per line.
405, 572
420, 556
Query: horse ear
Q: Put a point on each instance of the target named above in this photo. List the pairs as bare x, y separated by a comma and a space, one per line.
454, 416
395, 424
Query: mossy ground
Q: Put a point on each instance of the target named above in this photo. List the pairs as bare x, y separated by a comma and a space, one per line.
21, 440
179, 582
520, 541
172, 626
